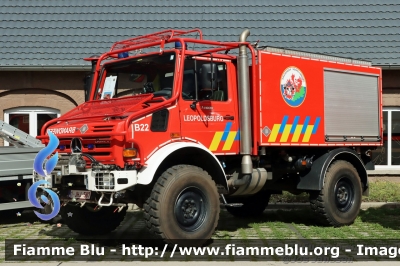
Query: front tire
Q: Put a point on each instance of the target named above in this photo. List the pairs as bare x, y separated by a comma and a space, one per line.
338, 203
87, 220
184, 204
47, 209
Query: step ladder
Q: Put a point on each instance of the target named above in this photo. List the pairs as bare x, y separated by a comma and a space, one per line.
17, 137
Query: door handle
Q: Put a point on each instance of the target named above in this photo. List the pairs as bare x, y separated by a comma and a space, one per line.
229, 117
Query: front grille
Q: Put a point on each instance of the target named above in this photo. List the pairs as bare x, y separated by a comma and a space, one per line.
101, 142
98, 147
104, 181
107, 128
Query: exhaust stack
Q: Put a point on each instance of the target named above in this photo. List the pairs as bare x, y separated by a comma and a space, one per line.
244, 105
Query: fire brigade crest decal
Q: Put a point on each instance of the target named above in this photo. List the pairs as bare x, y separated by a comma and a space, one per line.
293, 86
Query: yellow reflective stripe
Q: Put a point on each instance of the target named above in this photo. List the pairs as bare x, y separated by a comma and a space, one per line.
216, 140
296, 134
274, 133
229, 141
307, 135
286, 132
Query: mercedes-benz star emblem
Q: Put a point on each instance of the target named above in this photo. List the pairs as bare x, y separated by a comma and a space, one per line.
76, 145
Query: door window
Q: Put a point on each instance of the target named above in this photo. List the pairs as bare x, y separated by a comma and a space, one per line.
211, 81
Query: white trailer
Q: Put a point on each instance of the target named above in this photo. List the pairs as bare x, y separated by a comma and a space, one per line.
16, 167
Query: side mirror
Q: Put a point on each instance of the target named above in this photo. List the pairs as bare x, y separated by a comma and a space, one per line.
88, 79
87, 86
148, 87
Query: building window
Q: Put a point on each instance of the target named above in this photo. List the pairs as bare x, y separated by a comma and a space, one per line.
388, 156
29, 119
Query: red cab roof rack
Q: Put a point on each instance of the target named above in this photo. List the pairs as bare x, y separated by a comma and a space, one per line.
157, 36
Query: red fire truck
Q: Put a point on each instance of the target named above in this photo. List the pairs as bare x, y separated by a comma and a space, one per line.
180, 125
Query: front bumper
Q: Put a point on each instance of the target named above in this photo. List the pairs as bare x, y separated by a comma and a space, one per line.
67, 175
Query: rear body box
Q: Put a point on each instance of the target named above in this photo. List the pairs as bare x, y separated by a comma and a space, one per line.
306, 99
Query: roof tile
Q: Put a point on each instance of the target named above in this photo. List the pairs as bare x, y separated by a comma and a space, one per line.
55, 32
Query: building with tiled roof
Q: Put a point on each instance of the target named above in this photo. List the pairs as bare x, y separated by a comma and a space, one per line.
43, 42
58, 34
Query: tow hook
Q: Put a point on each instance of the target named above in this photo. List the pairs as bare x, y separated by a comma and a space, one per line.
106, 204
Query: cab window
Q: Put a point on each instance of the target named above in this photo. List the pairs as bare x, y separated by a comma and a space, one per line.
149, 74
211, 81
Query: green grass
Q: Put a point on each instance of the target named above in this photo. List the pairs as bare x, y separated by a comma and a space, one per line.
301, 224
287, 197
384, 191
379, 191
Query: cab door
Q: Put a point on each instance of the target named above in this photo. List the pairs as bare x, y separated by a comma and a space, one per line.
212, 119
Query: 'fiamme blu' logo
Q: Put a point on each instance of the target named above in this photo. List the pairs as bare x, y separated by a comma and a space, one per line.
49, 167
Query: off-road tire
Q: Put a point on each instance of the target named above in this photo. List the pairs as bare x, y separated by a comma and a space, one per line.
85, 221
183, 190
339, 201
253, 205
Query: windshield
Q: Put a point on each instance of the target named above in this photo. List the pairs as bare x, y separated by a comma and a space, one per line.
150, 74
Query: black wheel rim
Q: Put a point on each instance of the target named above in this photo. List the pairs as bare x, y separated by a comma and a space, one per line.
190, 209
344, 194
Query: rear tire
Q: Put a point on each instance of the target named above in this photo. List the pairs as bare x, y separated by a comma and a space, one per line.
339, 201
184, 204
253, 205
87, 221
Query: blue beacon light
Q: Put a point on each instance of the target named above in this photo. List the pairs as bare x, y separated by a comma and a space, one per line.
178, 45
90, 146
123, 55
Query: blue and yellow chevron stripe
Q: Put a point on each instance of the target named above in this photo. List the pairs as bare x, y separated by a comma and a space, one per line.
227, 136
295, 130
